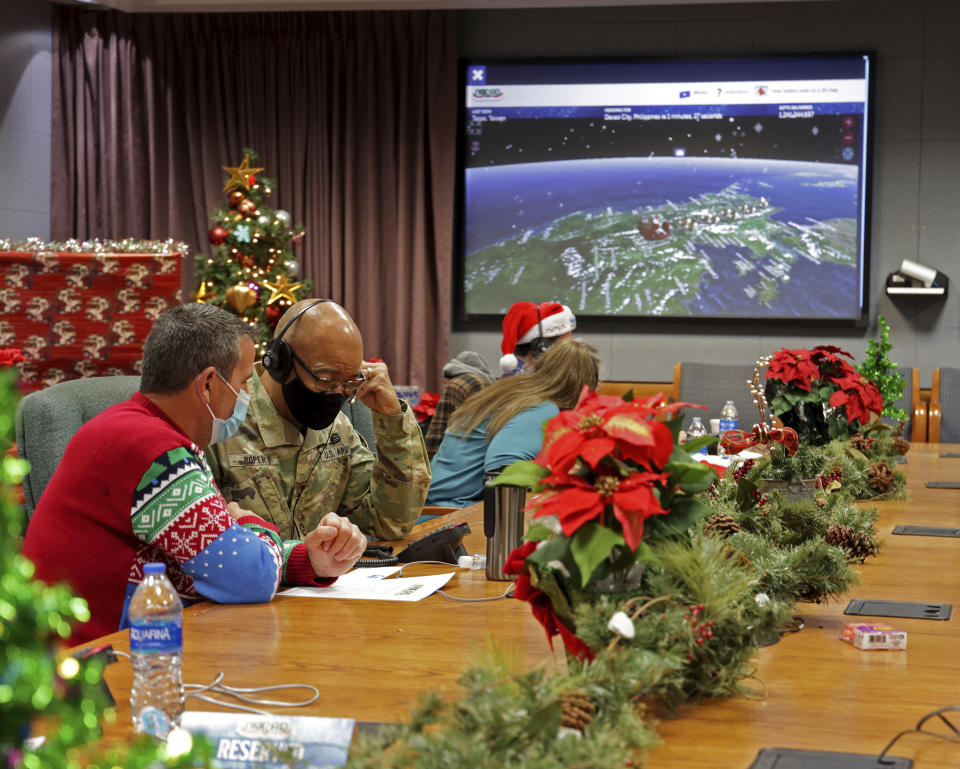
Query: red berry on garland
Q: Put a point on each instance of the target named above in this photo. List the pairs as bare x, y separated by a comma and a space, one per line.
234, 198
218, 235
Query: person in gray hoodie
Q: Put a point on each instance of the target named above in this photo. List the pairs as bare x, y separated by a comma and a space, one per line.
466, 374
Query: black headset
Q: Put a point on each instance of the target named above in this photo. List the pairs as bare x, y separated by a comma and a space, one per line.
541, 344
278, 359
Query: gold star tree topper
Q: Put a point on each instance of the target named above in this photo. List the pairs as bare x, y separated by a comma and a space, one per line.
239, 174
281, 288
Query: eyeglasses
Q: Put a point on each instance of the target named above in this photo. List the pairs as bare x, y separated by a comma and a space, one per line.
327, 385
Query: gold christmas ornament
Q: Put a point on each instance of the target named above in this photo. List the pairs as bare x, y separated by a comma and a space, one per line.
239, 174
201, 294
241, 297
281, 288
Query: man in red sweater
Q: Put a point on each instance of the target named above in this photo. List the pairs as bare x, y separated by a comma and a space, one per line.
134, 487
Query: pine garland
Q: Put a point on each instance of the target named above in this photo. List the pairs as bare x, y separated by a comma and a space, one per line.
811, 571
787, 539
854, 466
702, 616
506, 718
806, 462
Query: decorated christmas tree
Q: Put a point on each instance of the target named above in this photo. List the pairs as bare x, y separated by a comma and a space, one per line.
879, 369
252, 271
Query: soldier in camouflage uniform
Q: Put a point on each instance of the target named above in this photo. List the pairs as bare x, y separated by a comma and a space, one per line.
291, 474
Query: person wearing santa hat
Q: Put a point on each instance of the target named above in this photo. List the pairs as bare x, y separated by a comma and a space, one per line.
529, 330
503, 423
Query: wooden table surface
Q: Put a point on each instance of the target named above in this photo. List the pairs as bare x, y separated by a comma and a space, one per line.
370, 659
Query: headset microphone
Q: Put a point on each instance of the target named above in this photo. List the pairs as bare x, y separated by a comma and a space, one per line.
539, 345
278, 358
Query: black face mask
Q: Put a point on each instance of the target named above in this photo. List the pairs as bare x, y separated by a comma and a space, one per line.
313, 410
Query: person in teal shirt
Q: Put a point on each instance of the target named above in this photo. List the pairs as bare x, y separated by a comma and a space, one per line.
504, 422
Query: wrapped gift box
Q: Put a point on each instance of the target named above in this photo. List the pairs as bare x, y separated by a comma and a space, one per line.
78, 314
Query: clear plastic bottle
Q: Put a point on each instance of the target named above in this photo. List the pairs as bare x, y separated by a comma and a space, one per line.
156, 651
697, 430
729, 420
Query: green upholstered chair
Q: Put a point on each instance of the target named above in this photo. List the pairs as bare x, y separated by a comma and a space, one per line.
47, 419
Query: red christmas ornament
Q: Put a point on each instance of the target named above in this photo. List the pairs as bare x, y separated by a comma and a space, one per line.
247, 207
245, 259
251, 180
218, 235
273, 314
298, 238
234, 198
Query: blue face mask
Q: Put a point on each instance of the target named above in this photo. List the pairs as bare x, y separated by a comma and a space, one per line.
226, 428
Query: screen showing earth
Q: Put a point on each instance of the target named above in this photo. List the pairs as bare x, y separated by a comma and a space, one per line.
690, 206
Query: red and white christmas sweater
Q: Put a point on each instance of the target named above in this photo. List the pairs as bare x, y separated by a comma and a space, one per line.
133, 488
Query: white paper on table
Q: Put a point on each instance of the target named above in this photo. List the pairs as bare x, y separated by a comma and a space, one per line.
356, 586
362, 574
725, 460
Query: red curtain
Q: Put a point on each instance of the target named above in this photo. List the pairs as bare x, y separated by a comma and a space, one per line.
352, 113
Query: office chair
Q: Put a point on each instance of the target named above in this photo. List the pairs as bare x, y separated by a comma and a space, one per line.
712, 385
943, 424
47, 419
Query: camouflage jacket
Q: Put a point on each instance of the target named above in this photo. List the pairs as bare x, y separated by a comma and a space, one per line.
273, 470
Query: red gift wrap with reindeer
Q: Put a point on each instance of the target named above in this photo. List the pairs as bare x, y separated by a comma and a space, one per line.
80, 313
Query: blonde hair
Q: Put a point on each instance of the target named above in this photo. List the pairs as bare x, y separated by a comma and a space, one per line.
559, 376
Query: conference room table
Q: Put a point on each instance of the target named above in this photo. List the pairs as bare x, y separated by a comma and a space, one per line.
371, 659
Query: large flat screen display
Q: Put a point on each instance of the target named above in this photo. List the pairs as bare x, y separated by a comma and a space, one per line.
734, 188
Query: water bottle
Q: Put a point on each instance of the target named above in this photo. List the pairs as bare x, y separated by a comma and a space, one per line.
697, 430
728, 421
156, 651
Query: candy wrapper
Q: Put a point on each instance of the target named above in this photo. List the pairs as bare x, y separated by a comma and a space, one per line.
876, 635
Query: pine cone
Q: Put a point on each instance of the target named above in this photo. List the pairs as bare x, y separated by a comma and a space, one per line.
900, 445
880, 477
860, 442
577, 710
721, 524
857, 544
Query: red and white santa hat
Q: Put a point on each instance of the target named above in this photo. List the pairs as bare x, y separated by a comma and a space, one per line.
521, 326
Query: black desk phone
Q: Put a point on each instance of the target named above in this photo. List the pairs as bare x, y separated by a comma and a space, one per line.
445, 544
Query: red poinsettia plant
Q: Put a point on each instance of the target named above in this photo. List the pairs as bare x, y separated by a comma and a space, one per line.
608, 480
819, 394
426, 407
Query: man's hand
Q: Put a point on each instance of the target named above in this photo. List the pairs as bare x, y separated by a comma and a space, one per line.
237, 512
334, 546
377, 392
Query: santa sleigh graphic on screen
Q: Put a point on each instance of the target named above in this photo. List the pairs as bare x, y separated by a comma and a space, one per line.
654, 229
